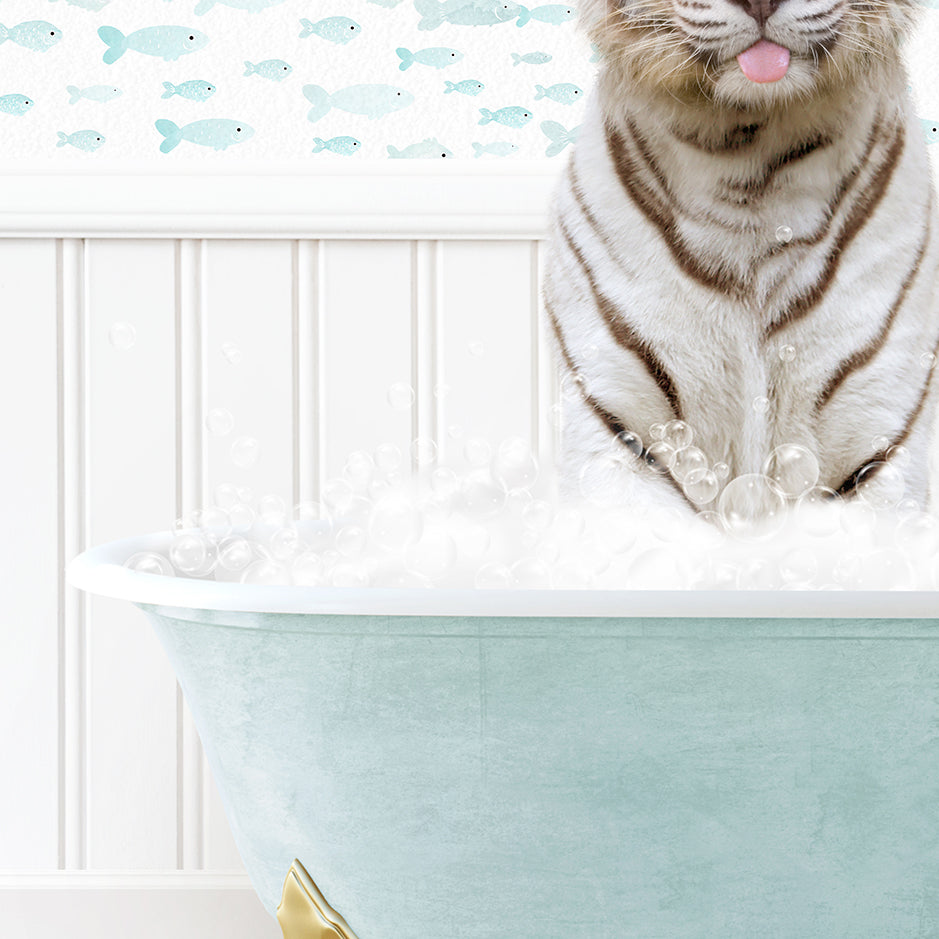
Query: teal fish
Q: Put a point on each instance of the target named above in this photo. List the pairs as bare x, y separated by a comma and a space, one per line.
373, 101
94, 5
531, 58
167, 42
559, 136
429, 149
216, 133
437, 57
87, 140
194, 90
563, 93
930, 130
15, 104
276, 70
338, 29
468, 87
554, 13
249, 6
435, 13
99, 93
344, 146
509, 117
501, 148
37, 35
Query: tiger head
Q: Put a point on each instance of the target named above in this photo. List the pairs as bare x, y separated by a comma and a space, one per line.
749, 53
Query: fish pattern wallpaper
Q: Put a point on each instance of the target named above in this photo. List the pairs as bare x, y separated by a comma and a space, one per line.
228, 81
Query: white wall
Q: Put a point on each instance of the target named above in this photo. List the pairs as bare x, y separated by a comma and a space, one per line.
333, 287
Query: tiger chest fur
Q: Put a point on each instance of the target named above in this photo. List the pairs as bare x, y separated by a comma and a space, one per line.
757, 262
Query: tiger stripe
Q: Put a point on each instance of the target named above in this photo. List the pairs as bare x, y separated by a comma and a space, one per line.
624, 334
861, 357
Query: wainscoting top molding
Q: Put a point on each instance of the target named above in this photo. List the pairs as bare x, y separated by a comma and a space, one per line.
381, 200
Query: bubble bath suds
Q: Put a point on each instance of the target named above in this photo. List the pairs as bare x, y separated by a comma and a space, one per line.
501, 524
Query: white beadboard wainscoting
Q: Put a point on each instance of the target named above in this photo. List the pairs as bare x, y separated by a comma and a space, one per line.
332, 287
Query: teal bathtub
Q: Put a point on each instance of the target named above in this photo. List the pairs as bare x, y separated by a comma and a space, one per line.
545, 765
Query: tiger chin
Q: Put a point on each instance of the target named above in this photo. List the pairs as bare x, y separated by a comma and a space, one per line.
744, 247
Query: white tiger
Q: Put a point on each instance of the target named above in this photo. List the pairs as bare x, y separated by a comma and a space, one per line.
745, 239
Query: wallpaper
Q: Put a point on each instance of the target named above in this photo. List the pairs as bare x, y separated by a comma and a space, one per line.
228, 81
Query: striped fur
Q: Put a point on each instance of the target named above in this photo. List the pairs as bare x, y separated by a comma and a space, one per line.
668, 291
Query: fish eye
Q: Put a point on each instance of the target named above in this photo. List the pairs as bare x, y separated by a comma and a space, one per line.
192, 38
443, 155
52, 32
237, 130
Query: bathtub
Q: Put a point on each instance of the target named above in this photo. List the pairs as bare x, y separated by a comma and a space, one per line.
548, 764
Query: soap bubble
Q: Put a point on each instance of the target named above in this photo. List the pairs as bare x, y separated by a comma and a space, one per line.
701, 486
628, 441
678, 434
819, 511
538, 515
885, 570
605, 481
858, 519
242, 517
798, 566
917, 535
721, 470
444, 483
395, 523
434, 555
656, 431
787, 353
349, 576
477, 451
783, 234
477, 348
569, 524
531, 574
337, 496
265, 571
149, 562
927, 360
226, 496
658, 569
472, 538
272, 509
351, 541
493, 576
235, 554
514, 465
308, 569
898, 456
454, 431
189, 552
573, 385
231, 353
660, 456
880, 443
219, 422
760, 404
751, 508
401, 396
759, 574
688, 460
424, 451
122, 336
483, 496
880, 485
285, 544
245, 452
388, 458
792, 469
359, 469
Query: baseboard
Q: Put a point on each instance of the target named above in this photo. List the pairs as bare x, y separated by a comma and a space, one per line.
102, 905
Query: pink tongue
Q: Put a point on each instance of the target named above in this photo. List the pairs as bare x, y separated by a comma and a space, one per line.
764, 61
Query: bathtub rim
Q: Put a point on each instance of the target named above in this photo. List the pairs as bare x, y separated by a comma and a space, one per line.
100, 570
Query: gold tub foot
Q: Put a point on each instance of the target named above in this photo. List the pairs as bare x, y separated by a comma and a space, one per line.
304, 913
